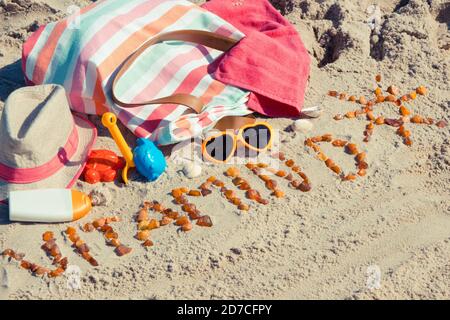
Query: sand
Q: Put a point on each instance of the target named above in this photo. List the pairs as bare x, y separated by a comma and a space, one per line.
326, 244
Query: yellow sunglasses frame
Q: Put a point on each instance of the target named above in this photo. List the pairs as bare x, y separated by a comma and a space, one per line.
237, 138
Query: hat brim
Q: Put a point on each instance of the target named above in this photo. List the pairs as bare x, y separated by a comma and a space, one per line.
72, 170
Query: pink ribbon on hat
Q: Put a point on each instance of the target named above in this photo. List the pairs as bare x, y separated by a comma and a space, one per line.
30, 175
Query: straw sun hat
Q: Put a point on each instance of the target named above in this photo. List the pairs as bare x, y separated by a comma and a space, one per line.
42, 145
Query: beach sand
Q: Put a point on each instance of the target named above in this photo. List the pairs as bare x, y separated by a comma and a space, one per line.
328, 243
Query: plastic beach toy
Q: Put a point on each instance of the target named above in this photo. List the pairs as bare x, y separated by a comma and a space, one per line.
102, 166
48, 205
147, 158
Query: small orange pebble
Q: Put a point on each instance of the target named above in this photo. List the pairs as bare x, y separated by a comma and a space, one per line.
336, 169
406, 134
74, 237
172, 214
362, 165
69, 231
316, 148
380, 99
327, 137
289, 163
315, 140
252, 194
47, 236
362, 172
122, 250
143, 225
143, 215
205, 221
158, 207
40, 271
379, 120
378, 78
281, 173
350, 177
441, 124
350, 114
165, 221
114, 242
182, 220
416, 119
56, 273
148, 243
338, 117
112, 219
362, 100
398, 102
278, 194
309, 142
186, 227
332, 93
404, 111
271, 185
370, 126
401, 130
342, 96
213, 178
329, 163
229, 194
378, 91
304, 187
232, 172
360, 156
281, 156
111, 235
153, 224
393, 90
244, 207
25, 264
370, 116
181, 200
194, 193
143, 235
390, 98
421, 90
413, 95
219, 183
236, 201
264, 177
352, 148
407, 141
99, 223
404, 98
322, 156
176, 193
206, 192
339, 143
352, 99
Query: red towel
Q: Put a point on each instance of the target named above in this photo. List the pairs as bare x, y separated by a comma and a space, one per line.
271, 61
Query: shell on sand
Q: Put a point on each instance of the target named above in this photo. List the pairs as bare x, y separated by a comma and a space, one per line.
313, 112
192, 170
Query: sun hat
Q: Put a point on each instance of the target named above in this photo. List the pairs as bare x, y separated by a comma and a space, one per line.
43, 145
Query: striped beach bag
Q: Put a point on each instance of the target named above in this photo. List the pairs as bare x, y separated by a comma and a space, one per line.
147, 61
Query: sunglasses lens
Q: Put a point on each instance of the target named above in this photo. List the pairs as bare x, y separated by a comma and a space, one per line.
258, 136
220, 148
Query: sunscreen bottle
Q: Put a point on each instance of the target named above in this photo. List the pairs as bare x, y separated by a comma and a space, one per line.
48, 205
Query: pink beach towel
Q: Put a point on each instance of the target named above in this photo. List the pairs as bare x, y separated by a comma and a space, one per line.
271, 61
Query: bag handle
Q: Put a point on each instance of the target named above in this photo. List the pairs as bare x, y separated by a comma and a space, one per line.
208, 39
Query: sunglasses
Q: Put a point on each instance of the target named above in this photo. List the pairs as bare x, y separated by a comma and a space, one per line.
255, 137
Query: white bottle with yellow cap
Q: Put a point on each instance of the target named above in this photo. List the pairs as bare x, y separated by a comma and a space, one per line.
48, 205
